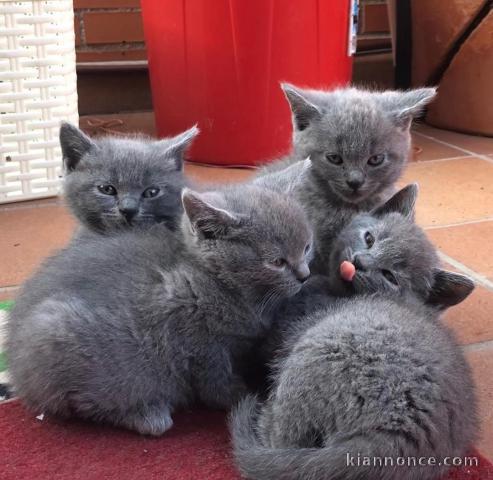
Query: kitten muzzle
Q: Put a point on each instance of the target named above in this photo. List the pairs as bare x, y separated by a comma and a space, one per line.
302, 273
128, 207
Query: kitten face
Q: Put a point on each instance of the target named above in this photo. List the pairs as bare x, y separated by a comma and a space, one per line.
116, 183
251, 238
358, 141
390, 252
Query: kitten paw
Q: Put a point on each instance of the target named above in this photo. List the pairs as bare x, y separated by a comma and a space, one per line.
152, 422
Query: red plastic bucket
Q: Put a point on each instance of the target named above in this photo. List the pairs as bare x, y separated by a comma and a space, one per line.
219, 63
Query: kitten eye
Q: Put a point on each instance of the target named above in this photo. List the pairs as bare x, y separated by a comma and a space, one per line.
107, 189
369, 239
376, 160
389, 276
151, 192
334, 158
307, 248
279, 263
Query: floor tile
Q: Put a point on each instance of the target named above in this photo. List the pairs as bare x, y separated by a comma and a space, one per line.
40, 203
481, 360
470, 244
201, 173
474, 143
8, 293
471, 320
426, 149
27, 236
452, 191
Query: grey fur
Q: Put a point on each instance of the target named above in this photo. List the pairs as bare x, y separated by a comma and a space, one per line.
286, 180
125, 329
356, 125
375, 374
400, 247
131, 165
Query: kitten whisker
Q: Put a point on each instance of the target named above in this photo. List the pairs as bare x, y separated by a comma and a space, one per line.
269, 300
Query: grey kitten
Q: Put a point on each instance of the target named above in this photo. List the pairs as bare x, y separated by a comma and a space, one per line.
128, 328
387, 249
371, 376
112, 184
358, 142
390, 254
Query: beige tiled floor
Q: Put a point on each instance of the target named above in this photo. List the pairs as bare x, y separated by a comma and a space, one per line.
452, 191
427, 149
455, 174
470, 243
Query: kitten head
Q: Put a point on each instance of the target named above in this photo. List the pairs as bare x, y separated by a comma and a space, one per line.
357, 140
253, 239
117, 183
391, 254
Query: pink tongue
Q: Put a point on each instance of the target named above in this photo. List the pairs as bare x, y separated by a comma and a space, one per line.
348, 271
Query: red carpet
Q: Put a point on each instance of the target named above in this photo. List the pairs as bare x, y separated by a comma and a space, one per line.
196, 448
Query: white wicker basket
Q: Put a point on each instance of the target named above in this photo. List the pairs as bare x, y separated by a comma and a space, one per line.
38, 89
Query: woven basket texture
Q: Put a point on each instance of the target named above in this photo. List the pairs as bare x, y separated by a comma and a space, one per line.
38, 89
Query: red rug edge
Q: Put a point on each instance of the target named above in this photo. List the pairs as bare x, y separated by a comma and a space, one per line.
198, 446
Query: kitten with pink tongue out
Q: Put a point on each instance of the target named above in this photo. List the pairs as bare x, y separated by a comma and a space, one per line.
364, 366
381, 252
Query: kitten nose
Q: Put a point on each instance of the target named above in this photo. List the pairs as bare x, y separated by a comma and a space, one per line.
361, 262
355, 180
128, 208
302, 272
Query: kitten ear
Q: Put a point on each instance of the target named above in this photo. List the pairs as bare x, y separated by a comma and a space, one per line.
303, 110
75, 144
403, 202
175, 147
206, 220
404, 106
449, 288
287, 180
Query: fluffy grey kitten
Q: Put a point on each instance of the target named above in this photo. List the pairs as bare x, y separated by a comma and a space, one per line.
370, 376
358, 142
114, 183
125, 329
387, 249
